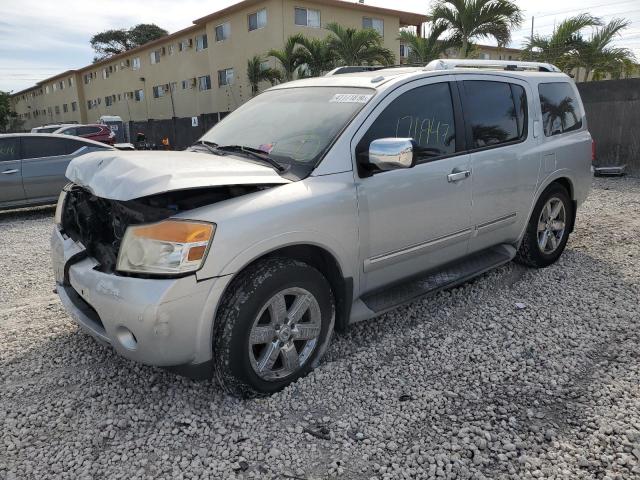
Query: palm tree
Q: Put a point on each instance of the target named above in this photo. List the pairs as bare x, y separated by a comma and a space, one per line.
596, 55
358, 47
291, 57
257, 73
318, 57
474, 19
424, 49
565, 40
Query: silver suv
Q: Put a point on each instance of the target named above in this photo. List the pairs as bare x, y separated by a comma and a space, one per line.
317, 204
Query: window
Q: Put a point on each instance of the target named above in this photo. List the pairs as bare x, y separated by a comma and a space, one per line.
89, 104
50, 147
173, 86
560, 108
204, 83
139, 95
9, 148
108, 101
187, 83
88, 130
61, 84
136, 63
87, 78
172, 49
201, 42
57, 108
520, 104
223, 32
65, 108
74, 106
55, 87
70, 81
376, 23
490, 112
258, 20
183, 45
225, 77
46, 89
158, 91
105, 73
307, 17
405, 50
155, 57
424, 114
485, 56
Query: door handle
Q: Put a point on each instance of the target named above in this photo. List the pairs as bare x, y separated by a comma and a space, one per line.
457, 175
9, 172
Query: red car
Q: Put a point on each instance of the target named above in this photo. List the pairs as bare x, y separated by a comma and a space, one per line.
94, 131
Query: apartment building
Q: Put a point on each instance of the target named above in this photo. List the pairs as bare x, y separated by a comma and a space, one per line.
200, 69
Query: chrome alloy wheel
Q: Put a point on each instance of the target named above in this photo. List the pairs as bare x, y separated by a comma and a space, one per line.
284, 333
551, 225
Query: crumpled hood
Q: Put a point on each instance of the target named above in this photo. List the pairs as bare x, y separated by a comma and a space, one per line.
122, 175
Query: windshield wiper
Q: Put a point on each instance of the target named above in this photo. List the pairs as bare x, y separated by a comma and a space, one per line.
208, 145
251, 152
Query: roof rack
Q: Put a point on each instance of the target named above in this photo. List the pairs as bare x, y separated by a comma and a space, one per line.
515, 65
354, 69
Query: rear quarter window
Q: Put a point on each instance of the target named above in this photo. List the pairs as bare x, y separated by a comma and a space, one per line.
560, 108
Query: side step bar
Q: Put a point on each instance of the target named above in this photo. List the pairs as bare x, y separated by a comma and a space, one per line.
446, 277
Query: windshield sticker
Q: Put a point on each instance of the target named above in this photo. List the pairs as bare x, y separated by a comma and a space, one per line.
266, 147
350, 98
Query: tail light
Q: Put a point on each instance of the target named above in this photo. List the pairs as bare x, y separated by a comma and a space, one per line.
593, 150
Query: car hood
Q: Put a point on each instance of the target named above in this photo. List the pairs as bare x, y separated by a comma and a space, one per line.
121, 175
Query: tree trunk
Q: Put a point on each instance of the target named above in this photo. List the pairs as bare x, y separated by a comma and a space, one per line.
464, 47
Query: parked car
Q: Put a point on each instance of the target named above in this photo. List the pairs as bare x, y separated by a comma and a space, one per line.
33, 165
49, 128
317, 204
96, 132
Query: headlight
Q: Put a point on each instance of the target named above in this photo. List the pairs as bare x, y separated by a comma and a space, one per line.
60, 206
168, 247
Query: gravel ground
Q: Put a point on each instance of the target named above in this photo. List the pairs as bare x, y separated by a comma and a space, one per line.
518, 374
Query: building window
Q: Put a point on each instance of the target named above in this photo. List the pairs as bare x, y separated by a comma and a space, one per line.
306, 17
61, 83
70, 81
57, 109
172, 49
105, 73
185, 84
65, 108
204, 83
225, 77
258, 19
155, 57
139, 95
74, 106
376, 23
55, 87
201, 42
183, 45
158, 91
173, 86
405, 50
108, 101
223, 32
136, 63
485, 56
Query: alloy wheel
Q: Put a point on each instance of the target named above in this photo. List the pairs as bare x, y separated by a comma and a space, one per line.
551, 225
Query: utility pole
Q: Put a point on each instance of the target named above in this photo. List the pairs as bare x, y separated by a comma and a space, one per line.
532, 18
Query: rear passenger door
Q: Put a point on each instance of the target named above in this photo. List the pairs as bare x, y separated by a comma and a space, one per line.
44, 163
11, 191
504, 158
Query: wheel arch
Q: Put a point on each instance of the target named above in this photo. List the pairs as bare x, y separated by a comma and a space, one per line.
326, 263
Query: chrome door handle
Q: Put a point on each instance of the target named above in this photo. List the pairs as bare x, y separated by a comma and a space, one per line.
458, 175
9, 172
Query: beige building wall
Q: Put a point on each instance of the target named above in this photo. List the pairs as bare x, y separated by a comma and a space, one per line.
109, 87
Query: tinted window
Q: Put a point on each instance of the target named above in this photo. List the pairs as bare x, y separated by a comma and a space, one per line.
88, 130
9, 149
424, 114
49, 147
70, 131
560, 108
520, 103
491, 113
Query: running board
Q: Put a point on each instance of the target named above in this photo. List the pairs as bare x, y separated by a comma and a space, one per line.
448, 276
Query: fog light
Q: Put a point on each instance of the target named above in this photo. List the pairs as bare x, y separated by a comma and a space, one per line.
126, 338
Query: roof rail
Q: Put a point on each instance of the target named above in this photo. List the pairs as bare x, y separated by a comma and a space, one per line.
354, 69
451, 63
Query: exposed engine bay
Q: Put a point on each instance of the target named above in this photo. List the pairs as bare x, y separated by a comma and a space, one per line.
100, 224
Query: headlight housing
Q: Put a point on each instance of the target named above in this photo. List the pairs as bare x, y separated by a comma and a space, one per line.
170, 247
60, 205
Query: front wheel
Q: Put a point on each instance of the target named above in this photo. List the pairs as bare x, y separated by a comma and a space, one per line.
273, 326
548, 229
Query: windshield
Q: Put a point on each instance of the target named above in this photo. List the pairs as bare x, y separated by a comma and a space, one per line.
294, 125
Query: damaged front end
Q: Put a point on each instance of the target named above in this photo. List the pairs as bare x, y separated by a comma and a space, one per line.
100, 224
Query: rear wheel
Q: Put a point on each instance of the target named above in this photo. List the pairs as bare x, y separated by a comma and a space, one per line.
273, 326
548, 229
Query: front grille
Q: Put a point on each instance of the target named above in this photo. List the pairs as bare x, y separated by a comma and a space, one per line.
100, 224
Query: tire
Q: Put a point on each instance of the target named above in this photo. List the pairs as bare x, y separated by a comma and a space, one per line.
250, 311
531, 253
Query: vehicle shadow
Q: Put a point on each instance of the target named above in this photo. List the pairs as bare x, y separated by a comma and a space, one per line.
30, 213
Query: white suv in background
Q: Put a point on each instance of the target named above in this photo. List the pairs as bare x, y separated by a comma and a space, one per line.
319, 203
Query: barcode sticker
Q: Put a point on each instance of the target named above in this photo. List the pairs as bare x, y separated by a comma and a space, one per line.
350, 98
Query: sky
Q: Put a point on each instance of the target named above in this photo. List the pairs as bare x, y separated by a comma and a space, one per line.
39, 39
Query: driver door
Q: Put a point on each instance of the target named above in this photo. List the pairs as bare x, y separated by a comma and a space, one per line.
416, 219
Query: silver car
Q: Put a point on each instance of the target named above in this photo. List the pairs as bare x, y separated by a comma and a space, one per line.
32, 166
317, 204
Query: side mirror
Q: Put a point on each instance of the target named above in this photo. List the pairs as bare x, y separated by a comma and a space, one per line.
392, 153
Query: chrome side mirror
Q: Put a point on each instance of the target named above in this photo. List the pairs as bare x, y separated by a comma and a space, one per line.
392, 153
